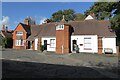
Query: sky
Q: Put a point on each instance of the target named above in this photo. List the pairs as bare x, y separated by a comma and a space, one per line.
15, 12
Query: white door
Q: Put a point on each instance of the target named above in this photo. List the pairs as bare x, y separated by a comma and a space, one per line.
36, 43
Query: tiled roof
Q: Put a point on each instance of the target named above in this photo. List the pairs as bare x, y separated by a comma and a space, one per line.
92, 27
7, 34
31, 38
86, 27
47, 30
26, 27
35, 29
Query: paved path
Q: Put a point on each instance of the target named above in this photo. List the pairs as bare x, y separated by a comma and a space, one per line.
53, 65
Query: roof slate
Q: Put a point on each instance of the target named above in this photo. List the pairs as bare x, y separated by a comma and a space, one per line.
92, 27
86, 27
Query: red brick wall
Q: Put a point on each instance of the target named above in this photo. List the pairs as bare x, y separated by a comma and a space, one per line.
63, 38
66, 39
100, 47
19, 28
33, 45
39, 43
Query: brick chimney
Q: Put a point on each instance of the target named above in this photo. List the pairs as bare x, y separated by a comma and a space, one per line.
63, 39
27, 21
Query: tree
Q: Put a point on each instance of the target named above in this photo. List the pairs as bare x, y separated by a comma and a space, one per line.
69, 15
109, 11
7, 42
4, 42
57, 16
79, 17
102, 10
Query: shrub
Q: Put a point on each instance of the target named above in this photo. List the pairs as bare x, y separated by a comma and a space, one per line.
41, 48
7, 42
4, 42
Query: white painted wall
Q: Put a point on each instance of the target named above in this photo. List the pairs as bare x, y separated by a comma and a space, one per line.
36, 44
109, 43
80, 40
48, 42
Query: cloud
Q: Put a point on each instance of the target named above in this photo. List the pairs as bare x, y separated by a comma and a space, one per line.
42, 20
4, 21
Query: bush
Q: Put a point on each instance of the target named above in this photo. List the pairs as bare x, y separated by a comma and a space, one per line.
4, 42
7, 42
41, 48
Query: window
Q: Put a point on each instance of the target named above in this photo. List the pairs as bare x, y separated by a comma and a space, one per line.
60, 27
18, 33
20, 42
52, 42
87, 43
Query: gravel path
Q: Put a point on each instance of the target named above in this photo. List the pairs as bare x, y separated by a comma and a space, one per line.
48, 64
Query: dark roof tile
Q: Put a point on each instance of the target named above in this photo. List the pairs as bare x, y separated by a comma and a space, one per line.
87, 27
26, 27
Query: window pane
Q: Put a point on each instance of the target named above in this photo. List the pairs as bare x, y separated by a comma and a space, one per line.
19, 43
18, 33
52, 42
87, 42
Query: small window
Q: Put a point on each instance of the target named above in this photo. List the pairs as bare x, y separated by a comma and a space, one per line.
60, 27
87, 43
18, 33
52, 42
19, 42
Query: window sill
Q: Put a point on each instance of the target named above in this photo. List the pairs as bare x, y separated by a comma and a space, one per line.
52, 47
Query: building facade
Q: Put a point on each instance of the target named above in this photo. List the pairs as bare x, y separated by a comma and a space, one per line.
90, 35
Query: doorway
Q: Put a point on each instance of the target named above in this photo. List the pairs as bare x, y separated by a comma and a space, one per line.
74, 43
45, 44
29, 43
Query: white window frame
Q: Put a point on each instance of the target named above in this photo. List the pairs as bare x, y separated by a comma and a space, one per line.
52, 43
19, 42
60, 27
19, 33
87, 43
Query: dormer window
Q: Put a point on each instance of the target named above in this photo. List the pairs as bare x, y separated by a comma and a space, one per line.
19, 33
60, 27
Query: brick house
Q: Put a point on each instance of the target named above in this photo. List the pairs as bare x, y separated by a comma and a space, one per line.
90, 35
6, 34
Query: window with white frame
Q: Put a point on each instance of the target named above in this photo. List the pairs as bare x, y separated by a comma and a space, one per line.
19, 33
87, 43
60, 27
20, 42
52, 42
